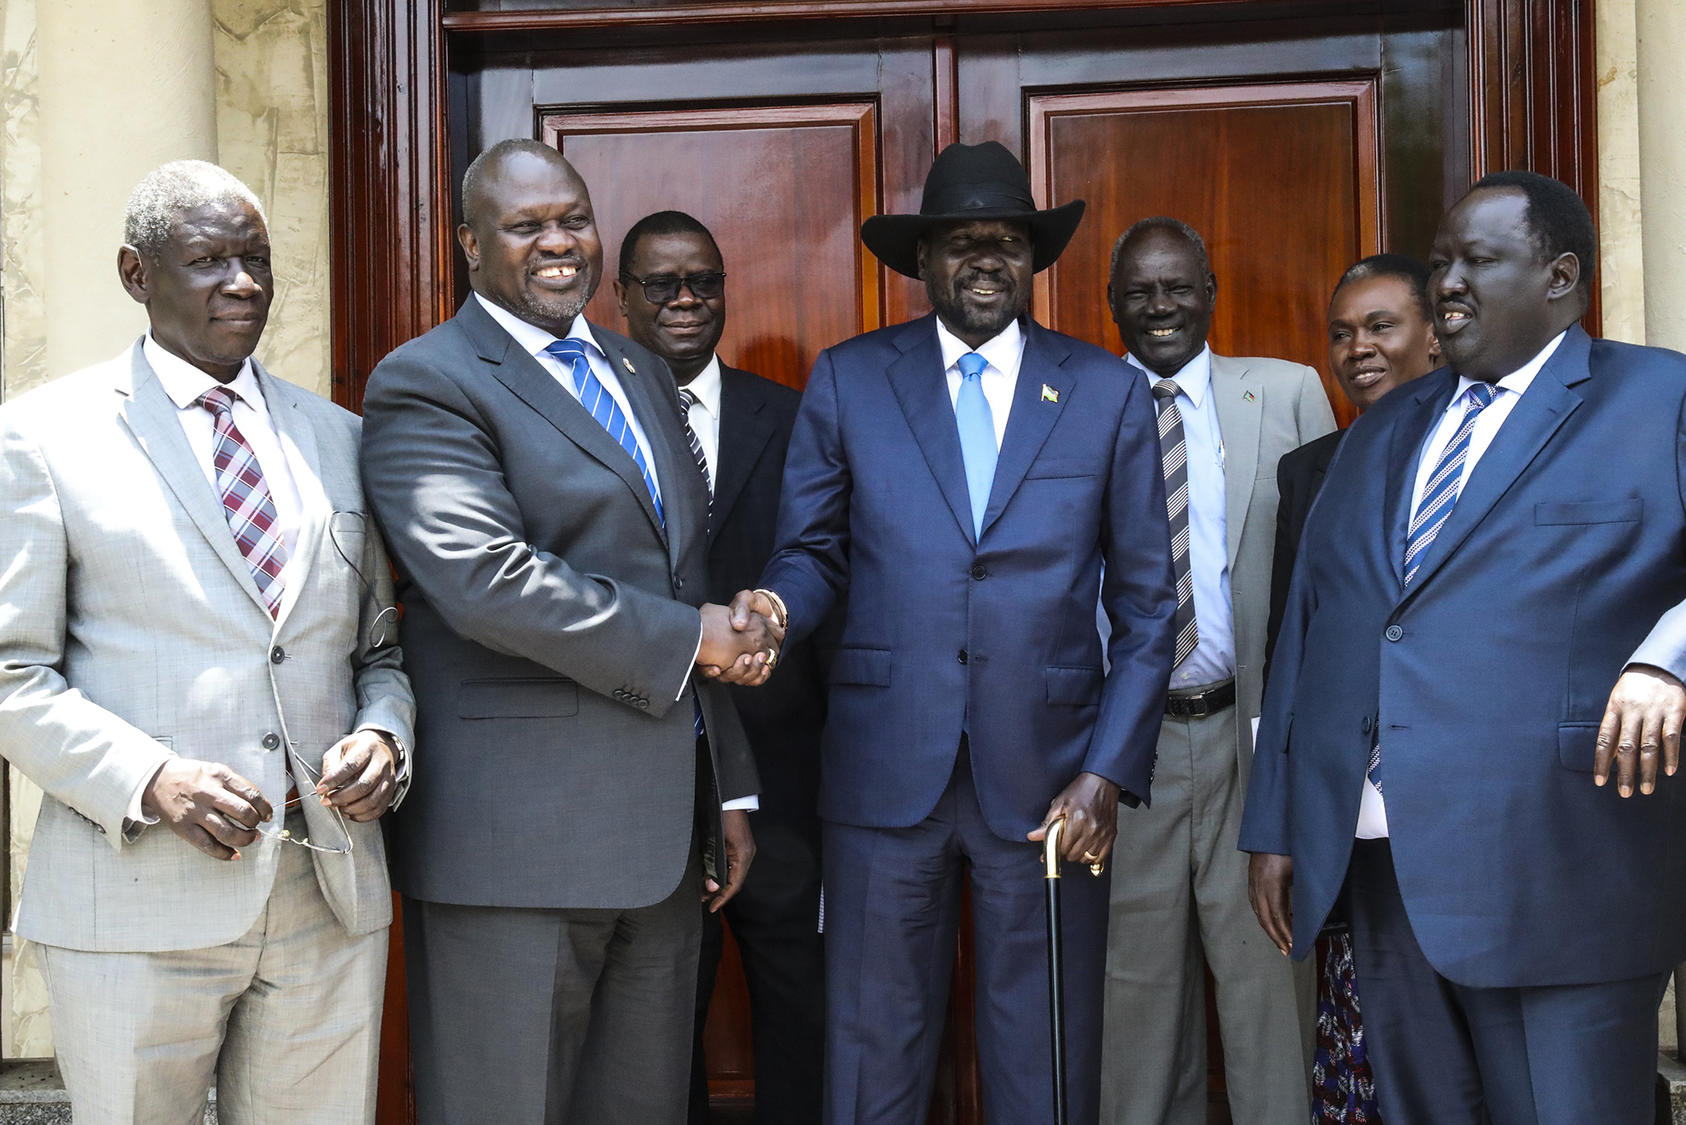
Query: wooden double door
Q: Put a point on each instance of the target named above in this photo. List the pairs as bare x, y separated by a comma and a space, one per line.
1296, 137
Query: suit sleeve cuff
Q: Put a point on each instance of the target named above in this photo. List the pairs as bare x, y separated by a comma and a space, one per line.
685, 684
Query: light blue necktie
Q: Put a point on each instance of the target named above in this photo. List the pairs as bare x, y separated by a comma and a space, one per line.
977, 435
603, 407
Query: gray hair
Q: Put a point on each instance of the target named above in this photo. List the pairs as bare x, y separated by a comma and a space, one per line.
173, 188
1169, 226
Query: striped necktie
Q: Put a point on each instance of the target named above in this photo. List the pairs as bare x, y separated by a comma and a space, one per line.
1440, 494
1444, 483
602, 406
688, 399
1173, 449
246, 502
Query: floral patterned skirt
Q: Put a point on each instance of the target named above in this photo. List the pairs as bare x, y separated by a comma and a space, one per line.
1343, 1089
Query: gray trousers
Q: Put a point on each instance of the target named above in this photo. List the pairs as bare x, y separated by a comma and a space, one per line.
1179, 901
286, 1019
553, 1017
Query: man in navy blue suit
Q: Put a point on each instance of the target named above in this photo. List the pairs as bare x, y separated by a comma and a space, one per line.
1484, 628
963, 477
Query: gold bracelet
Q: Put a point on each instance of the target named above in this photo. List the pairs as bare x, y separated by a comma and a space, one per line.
780, 614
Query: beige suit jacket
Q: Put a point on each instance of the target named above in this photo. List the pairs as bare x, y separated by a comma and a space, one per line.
131, 630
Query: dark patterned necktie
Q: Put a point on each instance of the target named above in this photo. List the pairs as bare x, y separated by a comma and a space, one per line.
1173, 449
687, 400
246, 502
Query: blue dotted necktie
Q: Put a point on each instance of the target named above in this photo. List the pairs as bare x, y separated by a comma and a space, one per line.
608, 413
977, 435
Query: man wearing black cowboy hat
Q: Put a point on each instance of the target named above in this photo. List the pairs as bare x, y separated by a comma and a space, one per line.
962, 479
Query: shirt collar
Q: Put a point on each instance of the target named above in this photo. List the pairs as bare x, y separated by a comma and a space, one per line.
1002, 351
705, 387
533, 339
1192, 378
1520, 379
184, 383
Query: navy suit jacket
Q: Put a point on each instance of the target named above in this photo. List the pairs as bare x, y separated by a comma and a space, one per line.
1563, 561
945, 633
784, 717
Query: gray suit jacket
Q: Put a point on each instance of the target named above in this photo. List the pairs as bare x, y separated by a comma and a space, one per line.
132, 631
550, 626
1265, 408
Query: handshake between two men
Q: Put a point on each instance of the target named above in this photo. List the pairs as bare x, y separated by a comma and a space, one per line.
740, 642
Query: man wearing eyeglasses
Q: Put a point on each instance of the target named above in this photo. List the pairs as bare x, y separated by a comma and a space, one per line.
586, 787
672, 292
199, 666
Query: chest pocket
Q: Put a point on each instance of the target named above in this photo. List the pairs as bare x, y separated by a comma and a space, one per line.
1628, 509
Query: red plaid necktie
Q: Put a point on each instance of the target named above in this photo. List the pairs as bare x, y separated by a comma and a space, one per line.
245, 499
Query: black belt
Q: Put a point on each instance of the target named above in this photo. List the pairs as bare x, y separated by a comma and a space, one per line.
1199, 704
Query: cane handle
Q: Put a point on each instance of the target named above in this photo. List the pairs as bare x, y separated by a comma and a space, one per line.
1051, 849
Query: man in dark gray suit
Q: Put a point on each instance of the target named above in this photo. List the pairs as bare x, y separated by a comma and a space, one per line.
549, 526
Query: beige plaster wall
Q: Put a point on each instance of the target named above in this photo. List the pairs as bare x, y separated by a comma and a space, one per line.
93, 94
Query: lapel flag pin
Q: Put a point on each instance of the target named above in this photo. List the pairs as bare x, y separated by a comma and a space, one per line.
1049, 394
1246, 396
627, 363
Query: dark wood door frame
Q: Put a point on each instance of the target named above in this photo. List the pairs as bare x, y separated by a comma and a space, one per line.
1530, 73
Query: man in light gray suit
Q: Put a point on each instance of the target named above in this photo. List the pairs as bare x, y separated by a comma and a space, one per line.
1179, 899
550, 527
199, 666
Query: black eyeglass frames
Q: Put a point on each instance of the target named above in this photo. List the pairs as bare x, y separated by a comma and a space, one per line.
661, 288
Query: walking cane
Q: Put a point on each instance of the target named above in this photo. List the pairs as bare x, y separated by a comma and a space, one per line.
1056, 959
1056, 965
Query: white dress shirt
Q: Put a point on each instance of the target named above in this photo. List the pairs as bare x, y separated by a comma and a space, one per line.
1003, 352
1213, 658
704, 415
1372, 809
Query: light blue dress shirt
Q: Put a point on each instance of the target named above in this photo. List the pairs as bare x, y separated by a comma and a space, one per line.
1213, 659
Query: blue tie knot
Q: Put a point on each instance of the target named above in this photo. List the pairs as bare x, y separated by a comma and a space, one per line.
567, 350
1482, 394
971, 365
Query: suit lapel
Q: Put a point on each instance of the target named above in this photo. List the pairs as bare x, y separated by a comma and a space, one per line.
657, 409
1538, 414
1032, 417
1410, 430
1239, 402
298, 442
744, 433
150, 415
532, 384
917, 378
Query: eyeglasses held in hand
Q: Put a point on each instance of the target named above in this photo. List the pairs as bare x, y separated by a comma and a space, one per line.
284, 835
661, 288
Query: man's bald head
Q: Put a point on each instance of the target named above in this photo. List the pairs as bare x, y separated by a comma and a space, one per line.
489, 166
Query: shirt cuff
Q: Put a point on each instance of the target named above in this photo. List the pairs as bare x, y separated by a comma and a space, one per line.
747, 804
134, 817
685, 684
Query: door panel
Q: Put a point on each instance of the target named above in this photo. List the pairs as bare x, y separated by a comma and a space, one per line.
787, 188
1281, 180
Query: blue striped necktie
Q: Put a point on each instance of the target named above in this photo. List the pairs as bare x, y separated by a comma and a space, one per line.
602, 406
1444, 483
1440, 494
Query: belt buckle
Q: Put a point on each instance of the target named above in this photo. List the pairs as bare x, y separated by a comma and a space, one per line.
1197, 708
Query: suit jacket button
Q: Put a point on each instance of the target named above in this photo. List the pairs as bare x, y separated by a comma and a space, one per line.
643, 704
277, 654
962, 656
678, 582
980, 571
1394, 632
271, 741
1365, 725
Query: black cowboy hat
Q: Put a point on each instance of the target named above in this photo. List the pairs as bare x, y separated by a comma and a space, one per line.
972, 182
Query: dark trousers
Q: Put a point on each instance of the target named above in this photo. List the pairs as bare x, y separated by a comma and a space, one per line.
892, 912
775, 919
552, 1016
1448, 1054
